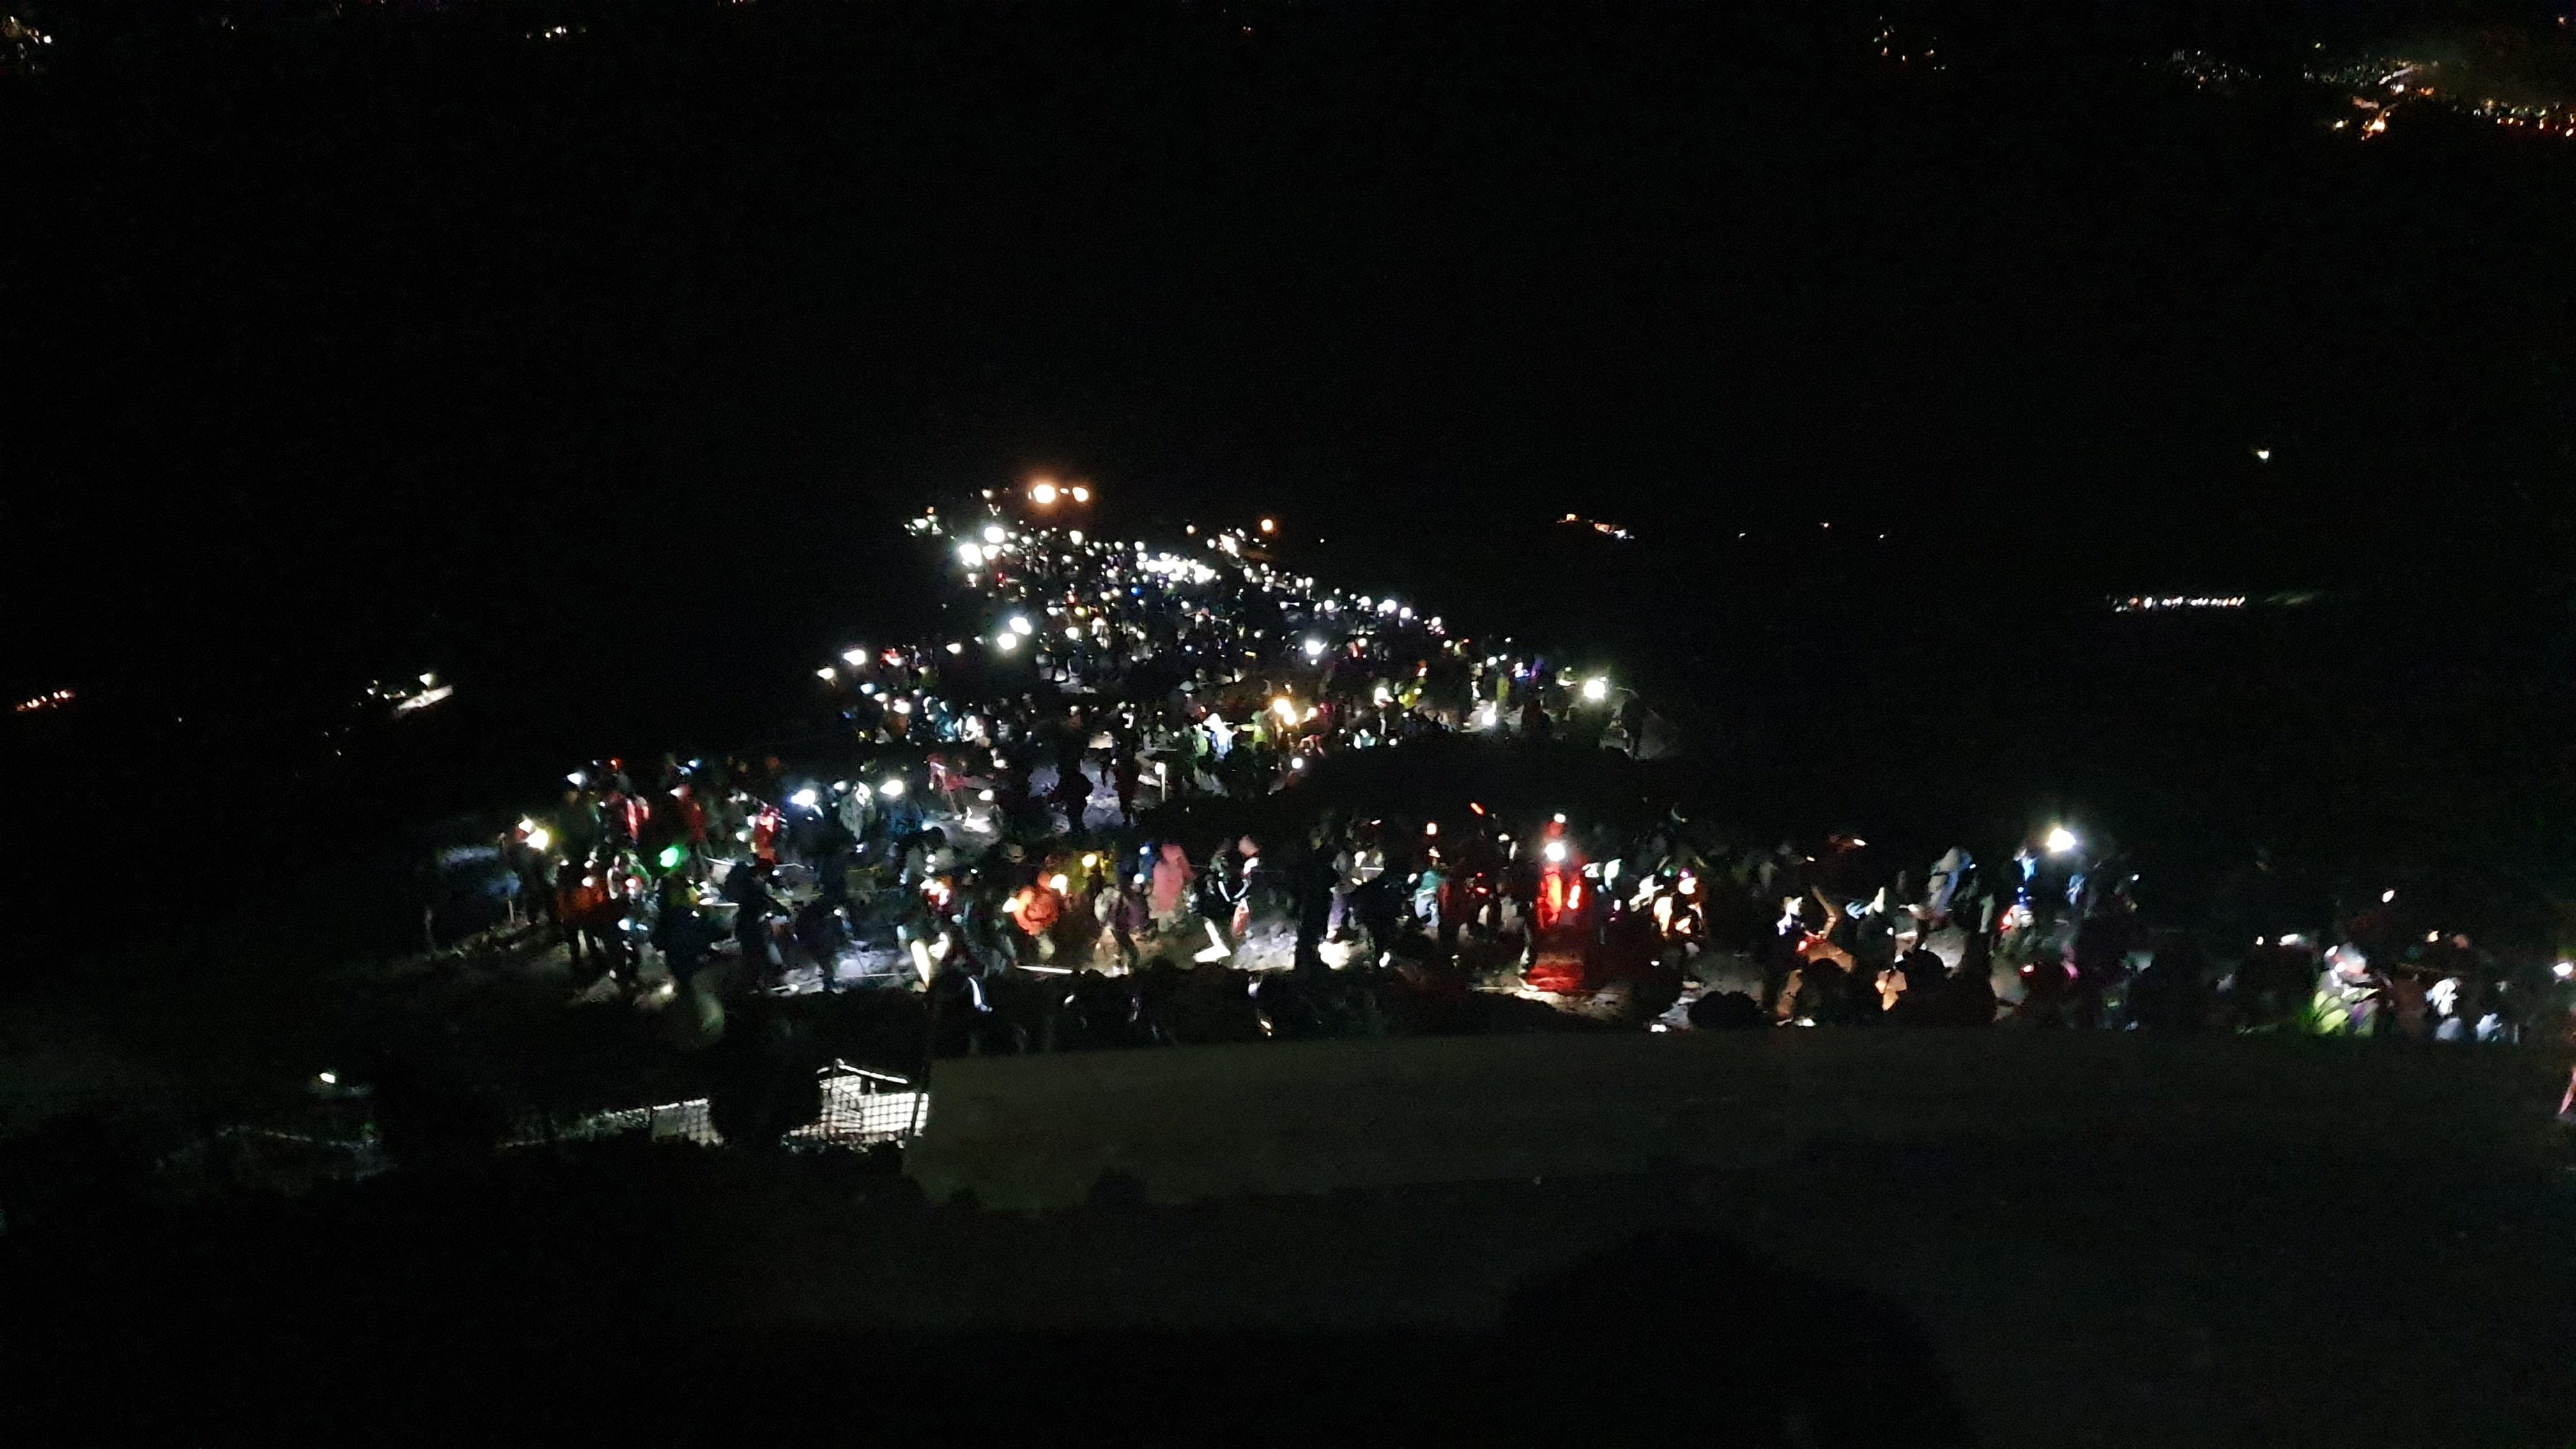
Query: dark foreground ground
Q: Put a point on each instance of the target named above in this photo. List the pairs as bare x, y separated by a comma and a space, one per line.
1991, 1293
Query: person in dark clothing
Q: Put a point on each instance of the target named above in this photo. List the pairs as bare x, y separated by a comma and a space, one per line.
1072, 789
1925, 979
747, 887
679, 932
2171, 994
1129, 775
1310, 889
820, 935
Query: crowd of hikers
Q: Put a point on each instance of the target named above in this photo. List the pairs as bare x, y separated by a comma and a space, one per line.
1030, 822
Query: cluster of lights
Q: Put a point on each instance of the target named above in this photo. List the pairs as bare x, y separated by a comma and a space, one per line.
2380, 88
1606, 530
1897, 48
2147, 603
431, 692
1046, 494
55, 700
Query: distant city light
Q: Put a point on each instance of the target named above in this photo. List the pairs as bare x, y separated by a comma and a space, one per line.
2142, 603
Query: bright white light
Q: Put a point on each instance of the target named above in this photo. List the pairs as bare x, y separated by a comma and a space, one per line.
1020, 624
538, 836
1285, 708
2386, 896
1270, 525
970, 555
1006, 642
2060, 840
956, 648
854, 657
903, 706
984, 796
1596, 690
892, 789
1059, 884
1555, 852
804, 799
328, 1079
1431, 827
1314, 648
2262, 455
1081, 495
993, 533
2562, 971
1075, 535
576, 779
1297, 763
826, 674
1043, 495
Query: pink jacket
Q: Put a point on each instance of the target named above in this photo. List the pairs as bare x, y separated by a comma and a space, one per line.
1172, 875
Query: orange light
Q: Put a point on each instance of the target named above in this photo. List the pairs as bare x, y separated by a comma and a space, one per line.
1270, 525
1042, 493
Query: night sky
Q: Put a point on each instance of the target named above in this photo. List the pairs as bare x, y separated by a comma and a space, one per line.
596, 371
